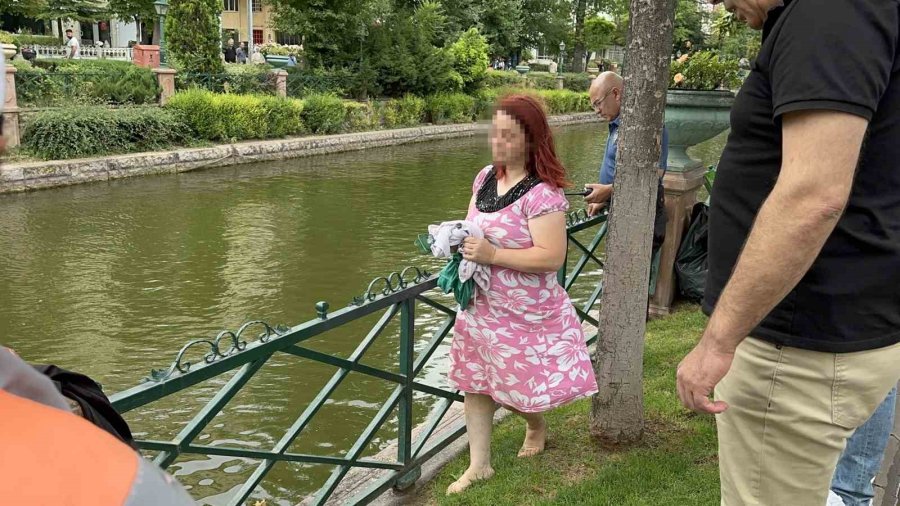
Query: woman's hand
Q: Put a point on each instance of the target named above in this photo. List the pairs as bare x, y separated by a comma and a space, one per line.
480, 251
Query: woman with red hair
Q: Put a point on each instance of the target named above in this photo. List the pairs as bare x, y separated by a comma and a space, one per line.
520, 344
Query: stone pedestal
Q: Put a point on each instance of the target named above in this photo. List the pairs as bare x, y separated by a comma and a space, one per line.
280, 82
560, 82
145, 56
10, 109
681, 194
166, 80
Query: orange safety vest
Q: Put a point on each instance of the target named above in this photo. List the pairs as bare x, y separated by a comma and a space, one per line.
52, 457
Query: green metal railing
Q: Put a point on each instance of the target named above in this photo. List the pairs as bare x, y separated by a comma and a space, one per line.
249, 348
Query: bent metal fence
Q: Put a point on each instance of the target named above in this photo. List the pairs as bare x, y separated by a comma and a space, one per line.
245, 351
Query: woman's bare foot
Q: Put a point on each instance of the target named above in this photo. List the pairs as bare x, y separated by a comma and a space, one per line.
535, 439
468, 478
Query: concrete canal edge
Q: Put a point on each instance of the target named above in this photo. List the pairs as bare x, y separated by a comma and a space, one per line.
19, 177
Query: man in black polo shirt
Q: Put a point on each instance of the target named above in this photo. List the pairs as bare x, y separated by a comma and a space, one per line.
804, 249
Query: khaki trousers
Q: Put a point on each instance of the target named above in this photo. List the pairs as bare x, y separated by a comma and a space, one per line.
790, 414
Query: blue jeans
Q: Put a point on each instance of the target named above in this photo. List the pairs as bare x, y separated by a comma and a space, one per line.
861, 460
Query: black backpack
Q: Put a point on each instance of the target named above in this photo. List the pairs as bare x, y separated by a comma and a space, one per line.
95, 406
691, 262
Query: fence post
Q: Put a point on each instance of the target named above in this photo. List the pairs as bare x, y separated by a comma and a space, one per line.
10, 109
280, 82
887, 483
166, 79
405, 409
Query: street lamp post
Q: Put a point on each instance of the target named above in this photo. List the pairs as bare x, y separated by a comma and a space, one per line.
162, 8
560, 80
562, 55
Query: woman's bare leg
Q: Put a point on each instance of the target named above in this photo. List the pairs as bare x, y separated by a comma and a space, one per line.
479, 424
535, 433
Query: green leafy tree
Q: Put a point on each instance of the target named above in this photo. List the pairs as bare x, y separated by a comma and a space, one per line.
546, 23
501, 24
470, 58
27, 8
79, 10
133, 10
598, 32
733, 39
689, 18
192, 35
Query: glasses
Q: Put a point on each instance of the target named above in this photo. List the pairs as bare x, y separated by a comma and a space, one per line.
597, 103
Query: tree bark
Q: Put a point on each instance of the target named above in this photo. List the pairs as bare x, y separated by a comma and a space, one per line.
617, 414
578, 57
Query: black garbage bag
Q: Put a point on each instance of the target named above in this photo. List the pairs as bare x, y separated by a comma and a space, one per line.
691, 263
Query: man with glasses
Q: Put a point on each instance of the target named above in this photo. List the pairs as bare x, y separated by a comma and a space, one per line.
606, 99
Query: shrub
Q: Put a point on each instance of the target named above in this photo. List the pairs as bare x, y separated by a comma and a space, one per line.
470, 58
324, 113
360, 117
301, 82
485, 100
539, 67
565, 101
249, 78
88, 131
580, 82
542, 80
84, 82
704, 70
503, 79
446, 108
404, 112
227, 117
27, 39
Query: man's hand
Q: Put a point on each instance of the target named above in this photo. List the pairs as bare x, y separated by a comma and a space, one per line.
600, 193
594, 209
699, 373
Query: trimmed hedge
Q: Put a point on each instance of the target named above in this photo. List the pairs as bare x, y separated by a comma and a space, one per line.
202, 115
402, 112
542, 80
539, 67
580, 82
503, 79
88, 131
565, 101
361, 117
324, 113
228, 117
445, 108
84, 82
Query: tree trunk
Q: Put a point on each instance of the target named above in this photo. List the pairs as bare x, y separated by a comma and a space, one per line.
578, 57
617, 415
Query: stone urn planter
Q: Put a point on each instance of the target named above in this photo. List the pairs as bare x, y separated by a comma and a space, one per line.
276, 60
9, 50
694, 116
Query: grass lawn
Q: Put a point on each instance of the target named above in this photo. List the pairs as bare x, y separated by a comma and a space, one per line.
675, 464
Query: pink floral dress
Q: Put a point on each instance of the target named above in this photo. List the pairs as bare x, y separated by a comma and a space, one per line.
521, 342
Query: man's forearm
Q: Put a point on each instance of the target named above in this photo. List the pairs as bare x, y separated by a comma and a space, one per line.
788, 235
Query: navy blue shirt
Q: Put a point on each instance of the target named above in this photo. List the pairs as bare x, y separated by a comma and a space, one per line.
608, 168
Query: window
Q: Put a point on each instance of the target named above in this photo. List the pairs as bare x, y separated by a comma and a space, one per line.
257, 36
284, 39
231, 5
257, 6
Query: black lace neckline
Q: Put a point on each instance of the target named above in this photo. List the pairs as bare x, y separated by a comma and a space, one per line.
487, 200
